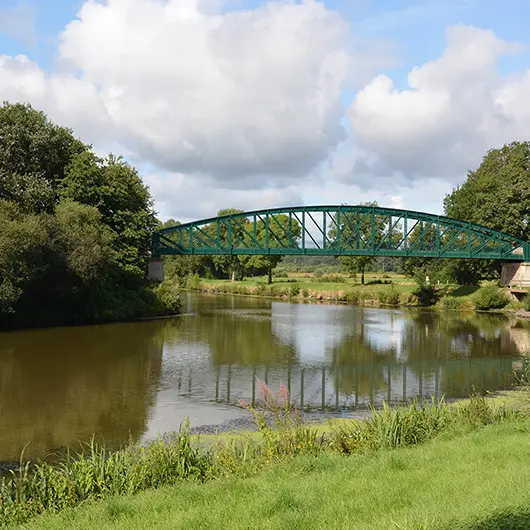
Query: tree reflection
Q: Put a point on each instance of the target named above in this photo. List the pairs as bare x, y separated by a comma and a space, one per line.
62, 385
438, 353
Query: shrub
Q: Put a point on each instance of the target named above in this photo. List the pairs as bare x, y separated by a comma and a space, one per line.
294, 290
379, 282
193, 282
526, 302
389, 297
305, 293
427, 295
168, 295
352, 296
490, 297
451, 302
317, 274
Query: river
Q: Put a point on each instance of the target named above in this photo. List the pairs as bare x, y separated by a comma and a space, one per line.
135, 380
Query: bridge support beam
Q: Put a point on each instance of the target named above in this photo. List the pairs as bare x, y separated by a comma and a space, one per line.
155, 271
516, 275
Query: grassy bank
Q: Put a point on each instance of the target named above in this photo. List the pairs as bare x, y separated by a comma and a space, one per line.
198, 469
474, 481
388, 290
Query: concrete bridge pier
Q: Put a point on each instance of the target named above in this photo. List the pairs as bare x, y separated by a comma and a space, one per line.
516, 275
155, 272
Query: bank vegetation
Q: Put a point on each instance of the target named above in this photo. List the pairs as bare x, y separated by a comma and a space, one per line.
282, 440
75, 230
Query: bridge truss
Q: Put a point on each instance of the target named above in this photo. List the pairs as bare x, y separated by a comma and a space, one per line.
339, 230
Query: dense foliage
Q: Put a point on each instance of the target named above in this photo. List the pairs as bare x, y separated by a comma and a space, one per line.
490, 297
497, 195
76, 229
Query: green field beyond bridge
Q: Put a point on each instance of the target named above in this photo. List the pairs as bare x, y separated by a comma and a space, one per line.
339, 231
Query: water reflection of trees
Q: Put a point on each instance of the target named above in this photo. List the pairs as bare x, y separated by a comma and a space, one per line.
447, 353
359, 363
239, 337
58, 386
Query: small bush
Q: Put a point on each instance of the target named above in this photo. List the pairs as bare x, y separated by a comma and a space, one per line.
451, 302
490, 297
168, 295
352, 296
305, 293
294, 290
379, 282
427, 295
193, 282
526, 302
389, 297
317, 274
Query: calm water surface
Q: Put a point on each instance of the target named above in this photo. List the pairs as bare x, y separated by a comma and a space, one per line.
61, 385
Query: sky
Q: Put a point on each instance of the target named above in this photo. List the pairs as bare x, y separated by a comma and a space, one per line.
255, 104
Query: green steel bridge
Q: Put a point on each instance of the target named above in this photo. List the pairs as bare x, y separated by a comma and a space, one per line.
340, 231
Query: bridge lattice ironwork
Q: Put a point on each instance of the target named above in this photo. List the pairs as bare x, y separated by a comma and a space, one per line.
341, 231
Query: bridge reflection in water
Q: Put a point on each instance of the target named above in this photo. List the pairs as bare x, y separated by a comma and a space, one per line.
355, 386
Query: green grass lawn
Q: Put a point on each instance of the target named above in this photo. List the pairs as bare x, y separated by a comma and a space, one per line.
400, 284
308, 281
453, 482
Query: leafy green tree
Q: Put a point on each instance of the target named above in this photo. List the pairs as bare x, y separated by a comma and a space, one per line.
497, 195
422, 268
349, 226
32, 193
32, 145
223, 264
51, 261
117, 191
278, 237
76, 229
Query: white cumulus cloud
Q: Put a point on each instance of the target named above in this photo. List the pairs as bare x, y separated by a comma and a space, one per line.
456, 108
235, 95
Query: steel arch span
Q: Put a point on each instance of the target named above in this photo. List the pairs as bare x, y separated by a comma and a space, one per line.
340, 231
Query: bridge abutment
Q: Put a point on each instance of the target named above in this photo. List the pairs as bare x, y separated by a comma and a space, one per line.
155, 272
516, 275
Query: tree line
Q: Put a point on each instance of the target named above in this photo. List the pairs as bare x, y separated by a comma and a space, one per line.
75, 229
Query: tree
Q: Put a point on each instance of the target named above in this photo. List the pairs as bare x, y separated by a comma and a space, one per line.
32, 145
50, 263
422, 268
278, 237
359, 235
229, 264
76, 229
117, 191
497, 195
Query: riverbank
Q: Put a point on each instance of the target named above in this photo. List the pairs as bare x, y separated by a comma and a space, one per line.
447, 484
390, 290
240, 463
